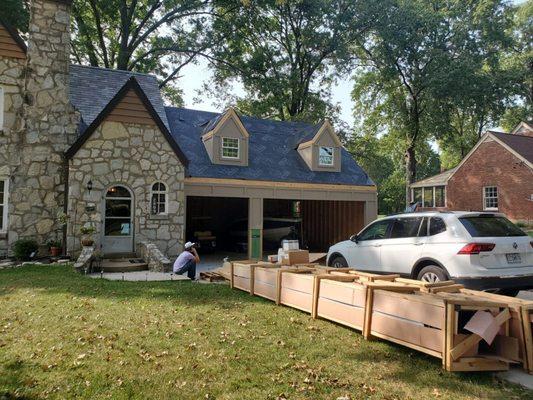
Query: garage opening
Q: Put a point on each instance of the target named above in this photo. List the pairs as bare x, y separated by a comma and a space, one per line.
317, 224
218, 224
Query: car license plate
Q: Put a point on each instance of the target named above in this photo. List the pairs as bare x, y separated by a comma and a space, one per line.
513, 258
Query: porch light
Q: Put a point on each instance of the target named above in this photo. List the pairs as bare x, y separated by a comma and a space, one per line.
90, 186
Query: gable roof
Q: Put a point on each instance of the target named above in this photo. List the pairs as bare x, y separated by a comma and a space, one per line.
216, 123
272, 151
524, 124
314, 134
92, 88
131, 84
435, 180
521, 145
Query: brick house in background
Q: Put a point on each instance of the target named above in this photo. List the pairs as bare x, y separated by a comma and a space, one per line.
496, 175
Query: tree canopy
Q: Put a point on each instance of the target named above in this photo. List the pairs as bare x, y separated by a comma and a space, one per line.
286, 54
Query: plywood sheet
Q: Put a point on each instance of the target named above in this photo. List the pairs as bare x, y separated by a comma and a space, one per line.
424, 313
265, 290
241, 270
266, 275
241, 283
341, 313
407, 331
296, 299
299, 282
343, 292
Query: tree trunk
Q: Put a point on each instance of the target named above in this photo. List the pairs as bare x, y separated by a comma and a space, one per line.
410, 168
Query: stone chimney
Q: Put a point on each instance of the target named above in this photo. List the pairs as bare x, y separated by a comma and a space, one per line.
50, 124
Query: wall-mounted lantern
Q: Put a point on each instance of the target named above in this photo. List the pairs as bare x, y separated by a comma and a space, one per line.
89, 186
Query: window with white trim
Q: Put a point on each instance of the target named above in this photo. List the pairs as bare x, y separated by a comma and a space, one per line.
159, 199
325, 156
1, 108
4, 187
490, 198
230, 147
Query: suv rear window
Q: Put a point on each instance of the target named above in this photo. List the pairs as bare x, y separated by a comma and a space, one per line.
490, 226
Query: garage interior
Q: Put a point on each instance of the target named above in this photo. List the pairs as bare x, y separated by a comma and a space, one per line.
317, 224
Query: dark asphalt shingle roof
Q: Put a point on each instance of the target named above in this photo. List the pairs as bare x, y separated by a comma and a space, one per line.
91, 89
272, 151
521, 144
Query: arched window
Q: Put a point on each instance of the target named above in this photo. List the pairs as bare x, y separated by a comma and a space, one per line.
159, 198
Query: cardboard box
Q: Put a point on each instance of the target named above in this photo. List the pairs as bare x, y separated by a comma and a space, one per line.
273, 258
292, 257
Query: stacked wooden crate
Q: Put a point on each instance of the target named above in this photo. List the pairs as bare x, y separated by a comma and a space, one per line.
426, 317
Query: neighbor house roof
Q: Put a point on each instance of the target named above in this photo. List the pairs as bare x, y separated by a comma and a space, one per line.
435, 180
272, 151
92, 88
521, 144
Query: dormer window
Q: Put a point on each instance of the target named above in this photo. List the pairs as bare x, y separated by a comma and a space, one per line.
325, 156
226, 140
230, 148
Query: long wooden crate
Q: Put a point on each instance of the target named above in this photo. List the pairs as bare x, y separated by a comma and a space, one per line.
426, 317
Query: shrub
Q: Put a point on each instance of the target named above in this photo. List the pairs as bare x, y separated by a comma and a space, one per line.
23, 248
87, 230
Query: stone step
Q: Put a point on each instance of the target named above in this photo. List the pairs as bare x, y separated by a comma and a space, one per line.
119, 256
124, 265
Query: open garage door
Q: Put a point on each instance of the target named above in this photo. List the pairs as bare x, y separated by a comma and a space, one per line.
218, 224
317, 224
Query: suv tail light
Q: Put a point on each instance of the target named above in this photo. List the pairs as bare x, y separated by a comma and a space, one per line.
476, 248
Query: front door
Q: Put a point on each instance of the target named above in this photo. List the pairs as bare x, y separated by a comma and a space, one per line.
118, 221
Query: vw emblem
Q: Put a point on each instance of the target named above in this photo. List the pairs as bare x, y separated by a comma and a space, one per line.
515, 245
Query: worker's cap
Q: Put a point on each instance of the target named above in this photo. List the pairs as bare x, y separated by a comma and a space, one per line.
189, 245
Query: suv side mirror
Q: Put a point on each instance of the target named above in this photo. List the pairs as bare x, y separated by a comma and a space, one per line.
354, 238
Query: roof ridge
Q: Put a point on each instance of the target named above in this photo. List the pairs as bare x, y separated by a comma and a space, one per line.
302, 124
121, 71
513, 134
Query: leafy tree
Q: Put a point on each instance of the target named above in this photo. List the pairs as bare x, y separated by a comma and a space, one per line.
520, 62
415, 57
158, 36
285, 54
15, 13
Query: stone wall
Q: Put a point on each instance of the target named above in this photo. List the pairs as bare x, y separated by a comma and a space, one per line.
12, 83
51, 124
135, 156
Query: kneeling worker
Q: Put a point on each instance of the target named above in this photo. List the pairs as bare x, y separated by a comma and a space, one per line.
186, 261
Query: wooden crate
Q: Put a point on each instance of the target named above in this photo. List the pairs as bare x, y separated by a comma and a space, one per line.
266, 281
340, 299
520, 324
296, 288
241, 276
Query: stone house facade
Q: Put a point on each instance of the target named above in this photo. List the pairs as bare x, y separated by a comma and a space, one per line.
496, 175
99, 147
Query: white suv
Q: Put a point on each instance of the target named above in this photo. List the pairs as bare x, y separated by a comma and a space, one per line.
483, 251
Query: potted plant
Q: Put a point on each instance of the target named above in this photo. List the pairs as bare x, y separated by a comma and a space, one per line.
55, 247
87, 231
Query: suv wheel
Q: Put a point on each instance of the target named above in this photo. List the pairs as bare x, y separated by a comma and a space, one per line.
432, 274
339, 262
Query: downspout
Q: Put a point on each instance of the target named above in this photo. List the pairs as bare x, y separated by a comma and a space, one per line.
65, 200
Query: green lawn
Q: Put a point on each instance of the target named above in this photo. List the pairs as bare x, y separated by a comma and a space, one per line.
63, 335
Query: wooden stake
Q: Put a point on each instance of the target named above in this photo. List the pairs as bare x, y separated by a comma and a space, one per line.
528, 339
231, 275
252, 279
369, 301
448, 334
316, 294
278, 287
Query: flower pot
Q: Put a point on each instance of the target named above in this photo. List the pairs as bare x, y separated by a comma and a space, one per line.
87, 242
55, 251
